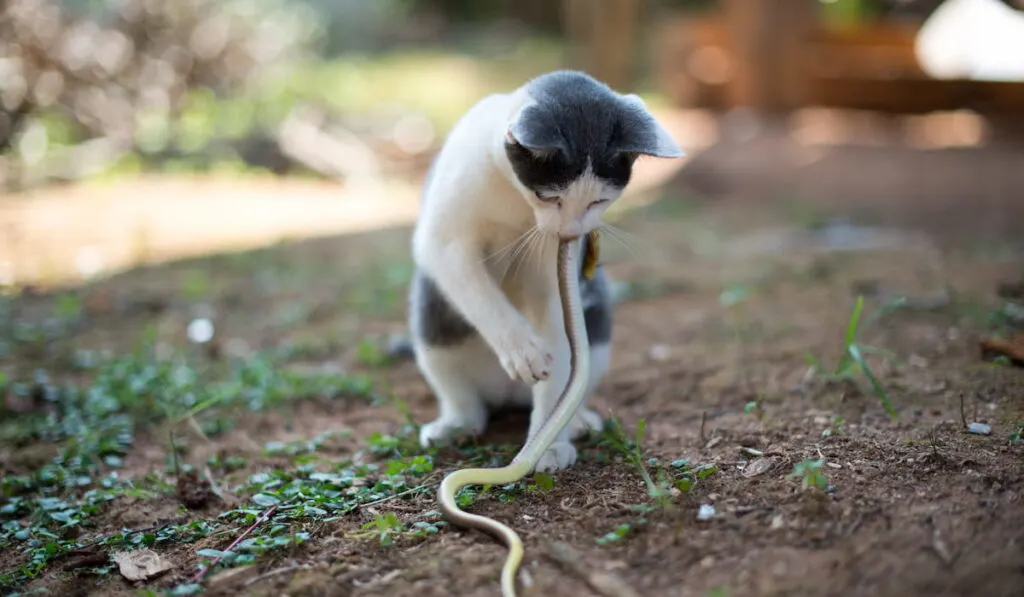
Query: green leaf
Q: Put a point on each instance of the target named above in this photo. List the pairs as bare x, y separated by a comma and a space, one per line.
851, 327
856, 355
544, 481
265, 500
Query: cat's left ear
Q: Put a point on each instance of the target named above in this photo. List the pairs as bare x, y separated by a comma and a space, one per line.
648, 136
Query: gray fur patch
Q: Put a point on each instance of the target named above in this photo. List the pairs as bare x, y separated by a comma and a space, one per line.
432, 317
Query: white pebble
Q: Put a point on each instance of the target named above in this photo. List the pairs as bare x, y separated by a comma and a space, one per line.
706, 512
200, 330
979, 429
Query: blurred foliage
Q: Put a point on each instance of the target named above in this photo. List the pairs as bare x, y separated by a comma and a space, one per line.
93, 87
119, 75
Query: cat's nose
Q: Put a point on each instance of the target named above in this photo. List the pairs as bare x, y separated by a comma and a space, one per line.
568, 235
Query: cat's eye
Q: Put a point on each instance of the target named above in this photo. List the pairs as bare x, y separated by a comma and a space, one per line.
552, 200
596, 203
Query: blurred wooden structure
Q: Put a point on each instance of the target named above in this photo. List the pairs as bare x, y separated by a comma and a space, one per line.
777, 56
602, 35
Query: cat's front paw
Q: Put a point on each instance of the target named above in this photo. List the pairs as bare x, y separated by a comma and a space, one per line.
559, 456
525, 356
585, 421
442, 431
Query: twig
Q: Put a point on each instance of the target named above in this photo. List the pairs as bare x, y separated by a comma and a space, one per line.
397, 495
275, 572
570, 560
703, 420
939, 546
963, 417
263, 518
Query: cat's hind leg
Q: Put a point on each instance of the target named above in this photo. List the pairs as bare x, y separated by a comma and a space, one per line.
456, 363
460, 397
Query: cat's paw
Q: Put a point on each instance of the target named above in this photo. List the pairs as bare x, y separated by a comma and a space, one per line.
559, 456
525, 356
443, 431
585, 421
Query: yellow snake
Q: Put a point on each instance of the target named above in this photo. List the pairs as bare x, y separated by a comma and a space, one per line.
565, 408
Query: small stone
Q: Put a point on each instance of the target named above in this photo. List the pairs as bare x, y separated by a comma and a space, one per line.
979, 429
757, 467
200, 331
659, 352
707, 562
917, 361
778, 522
706, 512
142, 564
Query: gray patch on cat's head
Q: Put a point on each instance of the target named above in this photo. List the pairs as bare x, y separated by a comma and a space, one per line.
572, 120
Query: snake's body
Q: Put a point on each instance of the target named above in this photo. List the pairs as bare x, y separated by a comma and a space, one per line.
563, 412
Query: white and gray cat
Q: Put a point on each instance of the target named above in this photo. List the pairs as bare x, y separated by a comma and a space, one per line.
519, 171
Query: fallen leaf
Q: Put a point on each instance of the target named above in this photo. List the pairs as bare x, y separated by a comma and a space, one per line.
1012, 349
757, 467
143, 564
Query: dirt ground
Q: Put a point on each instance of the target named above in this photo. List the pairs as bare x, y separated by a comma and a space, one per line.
911, 507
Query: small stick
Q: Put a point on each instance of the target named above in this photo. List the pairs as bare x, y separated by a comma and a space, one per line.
605, 583
264, 517
276, 572
703, 420
397, 495
963, 417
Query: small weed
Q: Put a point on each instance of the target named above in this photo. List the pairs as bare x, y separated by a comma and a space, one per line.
665, 482
754, 407
835, 429
371, 354
1018, 434
385, 527
853, 362
679, 474
620, 532
810, 474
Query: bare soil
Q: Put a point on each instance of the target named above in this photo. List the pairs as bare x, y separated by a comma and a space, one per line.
914, 507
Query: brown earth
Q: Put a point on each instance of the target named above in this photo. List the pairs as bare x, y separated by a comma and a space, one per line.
915, 506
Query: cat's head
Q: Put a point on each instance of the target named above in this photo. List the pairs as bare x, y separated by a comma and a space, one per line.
573, 144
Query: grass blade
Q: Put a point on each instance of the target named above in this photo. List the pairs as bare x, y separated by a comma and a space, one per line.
851, 327
858, 358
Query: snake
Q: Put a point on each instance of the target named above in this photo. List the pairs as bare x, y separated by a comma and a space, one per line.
534, 447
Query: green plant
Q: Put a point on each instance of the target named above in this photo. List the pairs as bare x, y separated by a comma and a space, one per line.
835, 429
679, 475
853, 362
810, 474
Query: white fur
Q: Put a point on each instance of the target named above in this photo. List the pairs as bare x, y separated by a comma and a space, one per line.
474, 201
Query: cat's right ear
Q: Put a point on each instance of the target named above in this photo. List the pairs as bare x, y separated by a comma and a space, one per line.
527, 130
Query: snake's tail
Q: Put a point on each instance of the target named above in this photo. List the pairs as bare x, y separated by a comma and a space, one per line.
503, 533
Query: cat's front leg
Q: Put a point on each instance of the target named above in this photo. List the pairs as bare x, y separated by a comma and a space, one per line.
459, 272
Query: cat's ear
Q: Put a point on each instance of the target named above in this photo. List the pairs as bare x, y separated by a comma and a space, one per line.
528, 130
647, 135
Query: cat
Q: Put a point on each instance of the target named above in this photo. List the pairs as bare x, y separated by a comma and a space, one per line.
518, 172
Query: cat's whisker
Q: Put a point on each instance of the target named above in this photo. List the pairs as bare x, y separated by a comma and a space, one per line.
522, 252
634, 245
510, 246
535, 249
511, 251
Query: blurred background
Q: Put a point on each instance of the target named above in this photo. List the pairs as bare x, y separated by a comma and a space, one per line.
135, 130
205, 216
